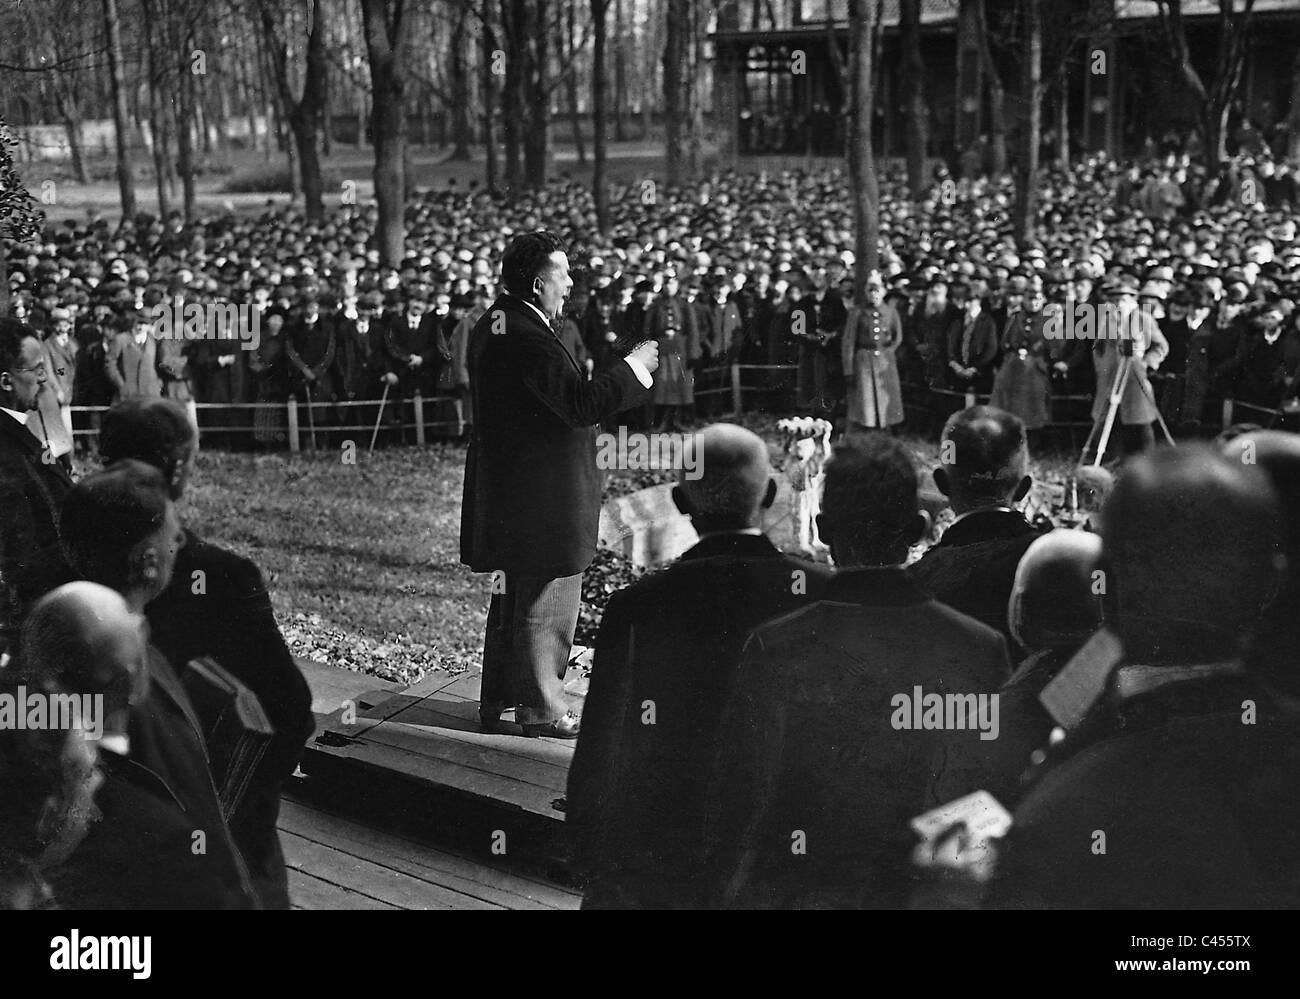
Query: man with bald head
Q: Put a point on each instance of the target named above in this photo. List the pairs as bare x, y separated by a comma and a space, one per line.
1176, 790
84, 638
121, 530
664, 667
984, 472
814, 738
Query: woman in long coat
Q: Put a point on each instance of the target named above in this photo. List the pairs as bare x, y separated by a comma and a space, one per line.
1023, 383
871, 335
671, 322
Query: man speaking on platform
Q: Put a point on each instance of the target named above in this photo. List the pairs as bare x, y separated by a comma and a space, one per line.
532, 489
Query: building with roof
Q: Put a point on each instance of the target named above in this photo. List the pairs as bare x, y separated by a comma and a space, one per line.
780, 71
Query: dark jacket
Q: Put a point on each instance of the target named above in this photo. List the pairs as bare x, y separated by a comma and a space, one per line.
811, 754
32, 491
532, 488
232, 622
132, 367
973, 566
161, 808
636, 791
1197, 807
400, 343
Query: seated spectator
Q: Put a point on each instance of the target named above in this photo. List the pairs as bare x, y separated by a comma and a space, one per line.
32, 487
1055, 607
229, 619
1176, 790
48, 780
984, 473
670, 644
121, 530
822, 760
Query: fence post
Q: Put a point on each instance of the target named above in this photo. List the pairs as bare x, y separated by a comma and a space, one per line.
292, 406
419, 418
735, 389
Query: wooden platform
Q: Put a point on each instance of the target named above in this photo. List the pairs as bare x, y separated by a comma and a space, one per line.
419, 759
339, 863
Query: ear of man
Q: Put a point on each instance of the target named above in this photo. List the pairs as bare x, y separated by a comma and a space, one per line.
769, 497
682, 501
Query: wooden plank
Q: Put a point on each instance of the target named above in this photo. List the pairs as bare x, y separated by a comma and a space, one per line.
311, 893
476, 783
557, 752
427, 863
374, 880
439, 744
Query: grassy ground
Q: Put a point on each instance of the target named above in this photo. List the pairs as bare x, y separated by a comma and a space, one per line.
363, 560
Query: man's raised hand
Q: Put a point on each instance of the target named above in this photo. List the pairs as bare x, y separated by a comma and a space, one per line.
647, 352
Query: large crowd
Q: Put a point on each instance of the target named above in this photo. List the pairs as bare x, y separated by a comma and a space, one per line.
779, 767
739, 268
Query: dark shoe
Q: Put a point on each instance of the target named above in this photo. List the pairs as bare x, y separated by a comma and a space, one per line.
562, 728
489, 717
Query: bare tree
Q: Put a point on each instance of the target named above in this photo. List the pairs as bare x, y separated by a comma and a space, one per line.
862, 165
599, 114
302, 114
914, 96
676, 85
122, 137
1232, 40
997, 94
1031, 122
384, 22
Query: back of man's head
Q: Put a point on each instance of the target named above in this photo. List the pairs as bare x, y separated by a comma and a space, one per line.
984, 459
1192, 551
869, 512
527, 257
730, 483
1054, 600
107, 514
156, 431
1277, 455
83, 638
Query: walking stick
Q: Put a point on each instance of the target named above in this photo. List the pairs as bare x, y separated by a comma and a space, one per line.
383, 400
311, 416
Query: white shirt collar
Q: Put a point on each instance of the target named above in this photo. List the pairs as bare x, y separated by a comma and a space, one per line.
20, 417
542, 315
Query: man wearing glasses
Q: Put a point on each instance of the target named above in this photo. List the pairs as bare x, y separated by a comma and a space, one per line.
33, 484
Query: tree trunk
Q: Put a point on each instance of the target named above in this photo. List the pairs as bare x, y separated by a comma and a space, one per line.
514, 23
997, 96
72, 129
184, 45
620, 75
1293, 119
387, 83
489, 101
157, 116
675, 83
537, 125
459, 89
1031, 127
862, 166
122, 138
599, 183
914, 97
571, 86
303, 115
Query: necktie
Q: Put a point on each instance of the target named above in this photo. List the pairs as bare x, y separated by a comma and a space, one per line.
966, 335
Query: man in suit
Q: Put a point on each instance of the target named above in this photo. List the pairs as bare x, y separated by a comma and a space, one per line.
122, 531
1265, 367
33, 484
984, 473
972, 348
532, 489
230, 620
1176, 788
1125, 330
820, 768
132, 360
636, 793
